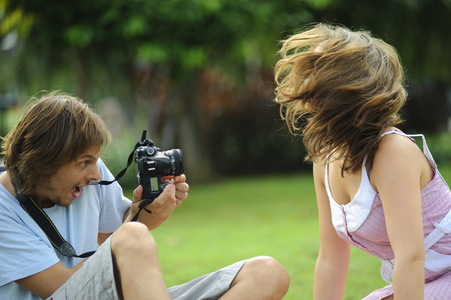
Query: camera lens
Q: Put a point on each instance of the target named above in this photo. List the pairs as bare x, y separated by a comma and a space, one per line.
176, 157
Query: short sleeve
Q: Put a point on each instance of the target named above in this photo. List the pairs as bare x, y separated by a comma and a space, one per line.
24, 249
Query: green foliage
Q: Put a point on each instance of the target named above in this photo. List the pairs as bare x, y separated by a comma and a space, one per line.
440, 147
189, 32
151, 55
152, 52
319, 4
117, 155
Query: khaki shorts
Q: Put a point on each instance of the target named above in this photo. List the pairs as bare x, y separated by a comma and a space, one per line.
95, 280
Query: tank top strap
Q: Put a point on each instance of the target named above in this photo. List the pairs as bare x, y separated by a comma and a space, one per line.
397, 131
425, 147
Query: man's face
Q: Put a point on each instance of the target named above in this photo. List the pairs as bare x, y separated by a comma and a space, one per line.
67, 183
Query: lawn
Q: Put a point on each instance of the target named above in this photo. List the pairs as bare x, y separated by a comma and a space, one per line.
238, 218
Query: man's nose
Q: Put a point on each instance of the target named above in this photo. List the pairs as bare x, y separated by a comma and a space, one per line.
94, 174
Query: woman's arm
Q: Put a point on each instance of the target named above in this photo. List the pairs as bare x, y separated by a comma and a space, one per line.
333, 259
399, 172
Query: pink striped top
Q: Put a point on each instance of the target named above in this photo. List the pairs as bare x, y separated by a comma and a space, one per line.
361, 222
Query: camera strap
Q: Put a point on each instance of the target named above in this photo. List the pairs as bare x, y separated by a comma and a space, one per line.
121, 173
144, 202
46, 224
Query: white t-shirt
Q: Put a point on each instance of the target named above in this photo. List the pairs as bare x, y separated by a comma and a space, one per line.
25, 249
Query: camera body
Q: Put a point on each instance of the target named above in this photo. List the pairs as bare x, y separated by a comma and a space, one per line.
153, 164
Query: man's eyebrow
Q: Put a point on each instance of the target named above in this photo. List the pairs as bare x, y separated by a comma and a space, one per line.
88, 156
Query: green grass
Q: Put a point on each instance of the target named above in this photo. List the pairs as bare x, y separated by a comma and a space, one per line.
239, 218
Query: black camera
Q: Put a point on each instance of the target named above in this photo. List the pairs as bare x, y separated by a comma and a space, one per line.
153, 164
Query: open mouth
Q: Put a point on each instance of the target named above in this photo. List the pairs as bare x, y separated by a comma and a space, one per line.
76, 191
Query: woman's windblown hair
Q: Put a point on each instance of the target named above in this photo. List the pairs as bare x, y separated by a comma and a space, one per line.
341, 89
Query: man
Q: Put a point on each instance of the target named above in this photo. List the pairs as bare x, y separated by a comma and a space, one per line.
51, 157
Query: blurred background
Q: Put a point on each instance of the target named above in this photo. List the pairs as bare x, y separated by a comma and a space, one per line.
198, 74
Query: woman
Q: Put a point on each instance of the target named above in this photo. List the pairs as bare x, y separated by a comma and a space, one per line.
376, 189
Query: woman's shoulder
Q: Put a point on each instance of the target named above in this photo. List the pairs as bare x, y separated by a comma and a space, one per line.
394, 141
396, 154
394, 148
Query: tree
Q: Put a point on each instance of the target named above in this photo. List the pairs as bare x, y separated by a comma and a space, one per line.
200, 71
154, 54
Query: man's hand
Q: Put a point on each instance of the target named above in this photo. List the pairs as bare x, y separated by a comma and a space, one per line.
181, 188
162, 207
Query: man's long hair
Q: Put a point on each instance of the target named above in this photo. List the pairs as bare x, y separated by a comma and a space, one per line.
56, 129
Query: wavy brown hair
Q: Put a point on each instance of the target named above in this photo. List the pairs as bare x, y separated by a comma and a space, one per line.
56, 129
340, 89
